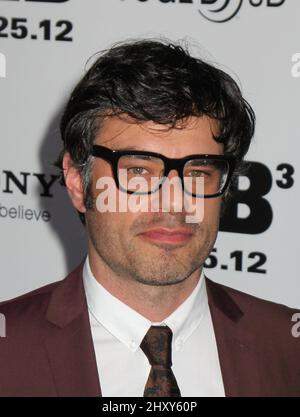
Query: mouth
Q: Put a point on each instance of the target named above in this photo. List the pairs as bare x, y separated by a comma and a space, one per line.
170, 236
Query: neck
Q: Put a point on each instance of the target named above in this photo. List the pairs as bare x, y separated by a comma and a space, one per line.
154, 302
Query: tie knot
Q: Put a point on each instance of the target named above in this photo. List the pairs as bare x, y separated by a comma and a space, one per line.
157, 345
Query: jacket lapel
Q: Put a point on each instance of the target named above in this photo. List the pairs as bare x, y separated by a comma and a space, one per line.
69, 345
68, 340
236, 344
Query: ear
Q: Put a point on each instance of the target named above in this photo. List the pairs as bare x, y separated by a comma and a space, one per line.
73, 183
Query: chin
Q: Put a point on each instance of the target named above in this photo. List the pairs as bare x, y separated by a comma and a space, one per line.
160, 283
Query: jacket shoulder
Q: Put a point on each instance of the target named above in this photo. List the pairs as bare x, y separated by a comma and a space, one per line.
266, 320
29, 305
28, 310
251, 303
254, 302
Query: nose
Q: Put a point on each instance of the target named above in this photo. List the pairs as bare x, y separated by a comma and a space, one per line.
170, 194
173, 173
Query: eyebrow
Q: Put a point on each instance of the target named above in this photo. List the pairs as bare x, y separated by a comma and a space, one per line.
136, 148
131, 148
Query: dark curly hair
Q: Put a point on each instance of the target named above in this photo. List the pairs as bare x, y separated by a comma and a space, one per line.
153, 80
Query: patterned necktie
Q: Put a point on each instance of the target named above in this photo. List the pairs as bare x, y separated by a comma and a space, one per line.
157, 347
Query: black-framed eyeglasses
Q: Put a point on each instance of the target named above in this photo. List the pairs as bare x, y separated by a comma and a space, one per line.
130, 166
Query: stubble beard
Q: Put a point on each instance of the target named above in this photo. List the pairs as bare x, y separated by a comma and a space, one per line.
154, 265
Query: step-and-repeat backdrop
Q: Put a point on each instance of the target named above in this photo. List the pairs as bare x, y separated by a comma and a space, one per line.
44, 47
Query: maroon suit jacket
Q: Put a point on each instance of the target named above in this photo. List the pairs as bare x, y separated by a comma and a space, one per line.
48, 349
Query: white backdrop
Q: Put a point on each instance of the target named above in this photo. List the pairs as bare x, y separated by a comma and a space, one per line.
44, 46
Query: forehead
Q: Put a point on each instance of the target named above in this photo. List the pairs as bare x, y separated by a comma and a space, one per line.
192, 135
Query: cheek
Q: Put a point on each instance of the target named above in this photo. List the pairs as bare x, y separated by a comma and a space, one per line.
111, 226
212, 209
106, 214
101, 172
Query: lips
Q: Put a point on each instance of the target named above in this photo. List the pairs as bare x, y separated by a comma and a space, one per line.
167, 235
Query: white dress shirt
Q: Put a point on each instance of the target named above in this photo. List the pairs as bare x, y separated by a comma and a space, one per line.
118, 330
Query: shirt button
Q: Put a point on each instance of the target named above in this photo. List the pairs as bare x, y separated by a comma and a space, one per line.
179, 344
132, 345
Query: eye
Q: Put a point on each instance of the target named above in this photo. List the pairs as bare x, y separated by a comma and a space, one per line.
198, 173
137, 170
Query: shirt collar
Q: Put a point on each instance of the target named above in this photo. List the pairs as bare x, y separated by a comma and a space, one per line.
130, 327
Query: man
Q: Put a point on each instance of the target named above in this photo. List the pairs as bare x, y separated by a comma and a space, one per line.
138, 317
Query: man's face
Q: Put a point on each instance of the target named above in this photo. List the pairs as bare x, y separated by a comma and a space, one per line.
133, 245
